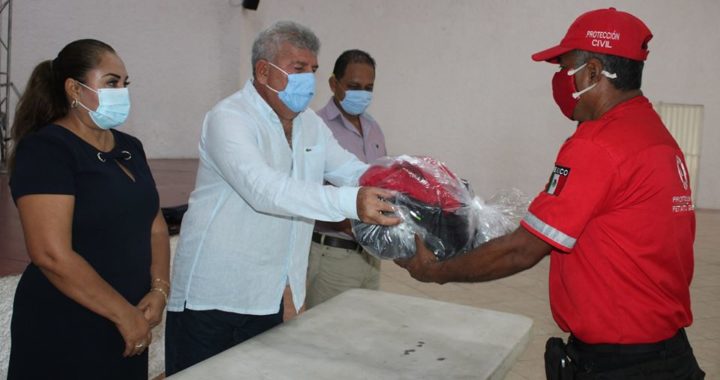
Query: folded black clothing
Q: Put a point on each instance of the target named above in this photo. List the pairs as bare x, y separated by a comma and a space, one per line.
445, 233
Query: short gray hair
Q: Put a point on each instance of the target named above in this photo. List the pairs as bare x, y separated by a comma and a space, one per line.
268, 42
629, 71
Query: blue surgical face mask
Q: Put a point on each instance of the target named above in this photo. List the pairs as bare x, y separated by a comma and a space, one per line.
299, 90
356, 101
113, 106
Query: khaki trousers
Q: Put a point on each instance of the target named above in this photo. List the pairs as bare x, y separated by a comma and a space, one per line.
332, 271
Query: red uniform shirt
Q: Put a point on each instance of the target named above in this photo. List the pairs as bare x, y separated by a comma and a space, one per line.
617, 211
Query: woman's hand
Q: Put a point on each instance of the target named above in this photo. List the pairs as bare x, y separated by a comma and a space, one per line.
152, 307
135, 330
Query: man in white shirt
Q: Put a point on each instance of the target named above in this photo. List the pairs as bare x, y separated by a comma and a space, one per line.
263, 160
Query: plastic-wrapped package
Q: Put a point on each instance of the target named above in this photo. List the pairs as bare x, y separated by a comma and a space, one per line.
437, 205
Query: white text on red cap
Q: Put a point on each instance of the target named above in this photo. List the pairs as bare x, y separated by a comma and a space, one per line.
601, 38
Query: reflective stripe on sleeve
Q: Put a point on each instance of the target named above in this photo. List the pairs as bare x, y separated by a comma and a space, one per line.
549, 231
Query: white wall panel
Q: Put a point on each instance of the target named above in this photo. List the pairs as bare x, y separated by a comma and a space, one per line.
454, 78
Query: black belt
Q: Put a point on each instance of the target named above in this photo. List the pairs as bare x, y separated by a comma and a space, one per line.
336, 242
615, 357
677, 342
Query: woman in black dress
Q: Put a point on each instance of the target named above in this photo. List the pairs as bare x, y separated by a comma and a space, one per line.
98, 280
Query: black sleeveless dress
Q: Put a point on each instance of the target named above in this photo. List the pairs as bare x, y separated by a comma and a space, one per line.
53, 337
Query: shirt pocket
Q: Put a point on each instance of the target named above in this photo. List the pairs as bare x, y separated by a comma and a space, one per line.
313, 163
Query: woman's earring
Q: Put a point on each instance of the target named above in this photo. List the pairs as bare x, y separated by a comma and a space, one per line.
74, 103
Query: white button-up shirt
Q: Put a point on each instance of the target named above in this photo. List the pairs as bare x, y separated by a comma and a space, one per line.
247, 230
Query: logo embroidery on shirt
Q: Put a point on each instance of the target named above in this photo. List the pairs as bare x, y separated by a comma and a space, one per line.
557, 180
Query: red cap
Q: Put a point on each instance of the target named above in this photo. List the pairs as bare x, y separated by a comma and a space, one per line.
605, 31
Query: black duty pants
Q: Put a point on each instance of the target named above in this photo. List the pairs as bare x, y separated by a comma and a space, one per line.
671, 359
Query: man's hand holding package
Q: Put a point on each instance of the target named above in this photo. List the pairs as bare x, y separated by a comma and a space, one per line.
373, 208
424, 266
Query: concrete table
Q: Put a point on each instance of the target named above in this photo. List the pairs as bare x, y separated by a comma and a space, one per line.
364, 334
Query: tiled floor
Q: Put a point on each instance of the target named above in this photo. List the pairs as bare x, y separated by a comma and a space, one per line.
526, 293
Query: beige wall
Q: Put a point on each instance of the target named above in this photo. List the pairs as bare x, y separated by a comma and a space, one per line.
454, 78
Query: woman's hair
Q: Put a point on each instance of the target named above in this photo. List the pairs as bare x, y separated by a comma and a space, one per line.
44, 99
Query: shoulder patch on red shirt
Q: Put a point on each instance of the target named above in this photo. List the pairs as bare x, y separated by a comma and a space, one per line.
557, 180
682, 172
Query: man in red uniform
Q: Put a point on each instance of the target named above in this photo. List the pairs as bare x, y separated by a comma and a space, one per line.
616, 218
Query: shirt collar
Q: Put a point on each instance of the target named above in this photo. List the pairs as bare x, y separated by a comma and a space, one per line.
629, 103
333, 112
636, 101
260, 103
